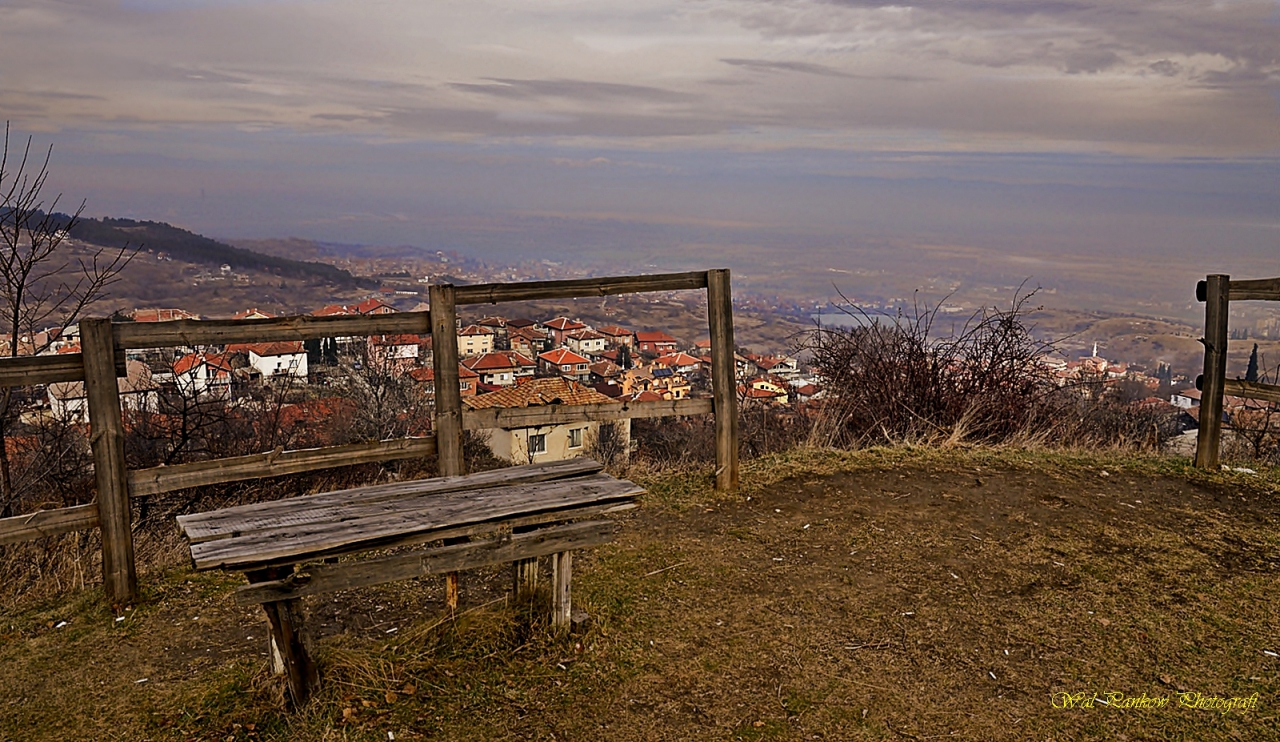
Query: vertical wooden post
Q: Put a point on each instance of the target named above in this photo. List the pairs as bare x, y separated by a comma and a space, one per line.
561, 595
724, 382
1217, 312
290, 639
119, 573
448, 422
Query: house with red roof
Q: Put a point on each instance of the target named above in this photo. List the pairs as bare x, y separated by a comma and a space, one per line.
553, 442
467, 379
564, 362
474, 340
528, 341
278, 360
655, 343
618, 336
560, 327
501, 369
201, 374
680, 362
254, 313
395, 353
585, 342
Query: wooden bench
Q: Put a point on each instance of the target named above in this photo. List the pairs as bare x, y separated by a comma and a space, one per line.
510, 515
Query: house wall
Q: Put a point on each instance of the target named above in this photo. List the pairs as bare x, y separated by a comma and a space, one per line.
513, 444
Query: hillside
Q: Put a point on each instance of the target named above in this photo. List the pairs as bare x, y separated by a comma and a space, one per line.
179, 244
892, 593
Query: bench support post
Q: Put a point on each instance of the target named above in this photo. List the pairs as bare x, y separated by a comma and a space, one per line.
288, 635
561, 596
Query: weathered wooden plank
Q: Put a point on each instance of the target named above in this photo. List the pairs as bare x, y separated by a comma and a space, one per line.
724, 384
107, 440
561, 592
30, 370
274, 464
449, 536
44, 523
244, 519
222, 331
1216, 315
291, 639
444, 349
388, 522
1266, 289
492, 293
325, 578
528, 417
1251, 390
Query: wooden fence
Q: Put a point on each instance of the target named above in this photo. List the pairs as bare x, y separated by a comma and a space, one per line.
1217, 292
101, 361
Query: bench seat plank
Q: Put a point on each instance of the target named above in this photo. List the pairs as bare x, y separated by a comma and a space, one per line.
359, 526
244, 519
325, 578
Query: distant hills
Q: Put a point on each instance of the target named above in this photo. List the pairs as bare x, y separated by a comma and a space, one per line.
186, 246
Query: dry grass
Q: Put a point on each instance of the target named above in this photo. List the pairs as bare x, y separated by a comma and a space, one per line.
898, 593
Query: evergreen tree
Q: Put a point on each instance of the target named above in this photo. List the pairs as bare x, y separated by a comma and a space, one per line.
1251, 374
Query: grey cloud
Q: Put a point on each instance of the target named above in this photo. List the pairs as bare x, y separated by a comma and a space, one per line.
1165, 67
577, 90
1090, 61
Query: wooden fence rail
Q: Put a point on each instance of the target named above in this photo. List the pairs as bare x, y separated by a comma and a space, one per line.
1217, 292
102, 360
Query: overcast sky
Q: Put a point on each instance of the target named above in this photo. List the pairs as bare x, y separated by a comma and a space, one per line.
1124, 124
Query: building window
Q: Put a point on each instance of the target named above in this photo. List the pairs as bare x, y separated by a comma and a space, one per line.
575, 437
537, 444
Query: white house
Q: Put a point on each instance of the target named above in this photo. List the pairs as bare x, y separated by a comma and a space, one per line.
287, 359
68, 400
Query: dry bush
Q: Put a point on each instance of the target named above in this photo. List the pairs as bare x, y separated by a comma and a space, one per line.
889, 379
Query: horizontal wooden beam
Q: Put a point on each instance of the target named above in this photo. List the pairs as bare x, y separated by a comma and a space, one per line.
304, 327
1255, 289
492, 293
274, 464
1251, 390
532, 417
326, 578
44, 523
28, 370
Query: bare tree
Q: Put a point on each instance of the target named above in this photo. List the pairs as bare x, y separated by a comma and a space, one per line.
44, 284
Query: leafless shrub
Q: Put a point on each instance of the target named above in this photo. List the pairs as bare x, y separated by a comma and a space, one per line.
609, 445
890, 379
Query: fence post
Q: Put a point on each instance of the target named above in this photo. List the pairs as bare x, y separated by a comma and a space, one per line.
1217, 312
448, 422
119, 573
724, 382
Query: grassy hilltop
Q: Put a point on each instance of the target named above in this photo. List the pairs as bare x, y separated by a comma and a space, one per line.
893, 593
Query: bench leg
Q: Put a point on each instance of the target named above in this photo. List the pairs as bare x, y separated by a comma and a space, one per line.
524, 582
561, 596
288, 635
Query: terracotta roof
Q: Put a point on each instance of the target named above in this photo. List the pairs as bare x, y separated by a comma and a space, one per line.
654, 337
564, 323
427, 373
584, 334
562, 357
218, 361
526, 332
537, 392
678, 359
333, 310
646, 396
520, 323
493, 322
604, 369
615, 331
369, 305
493, 361
281, 348
474, 330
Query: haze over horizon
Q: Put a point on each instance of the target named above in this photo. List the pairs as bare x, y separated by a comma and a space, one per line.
1147, 130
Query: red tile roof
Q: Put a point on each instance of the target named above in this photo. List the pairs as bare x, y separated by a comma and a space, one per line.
616, 331
673, 360
538, 392
564, 323
474, 330
369, 305
654, 337
562, 357
494, 361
